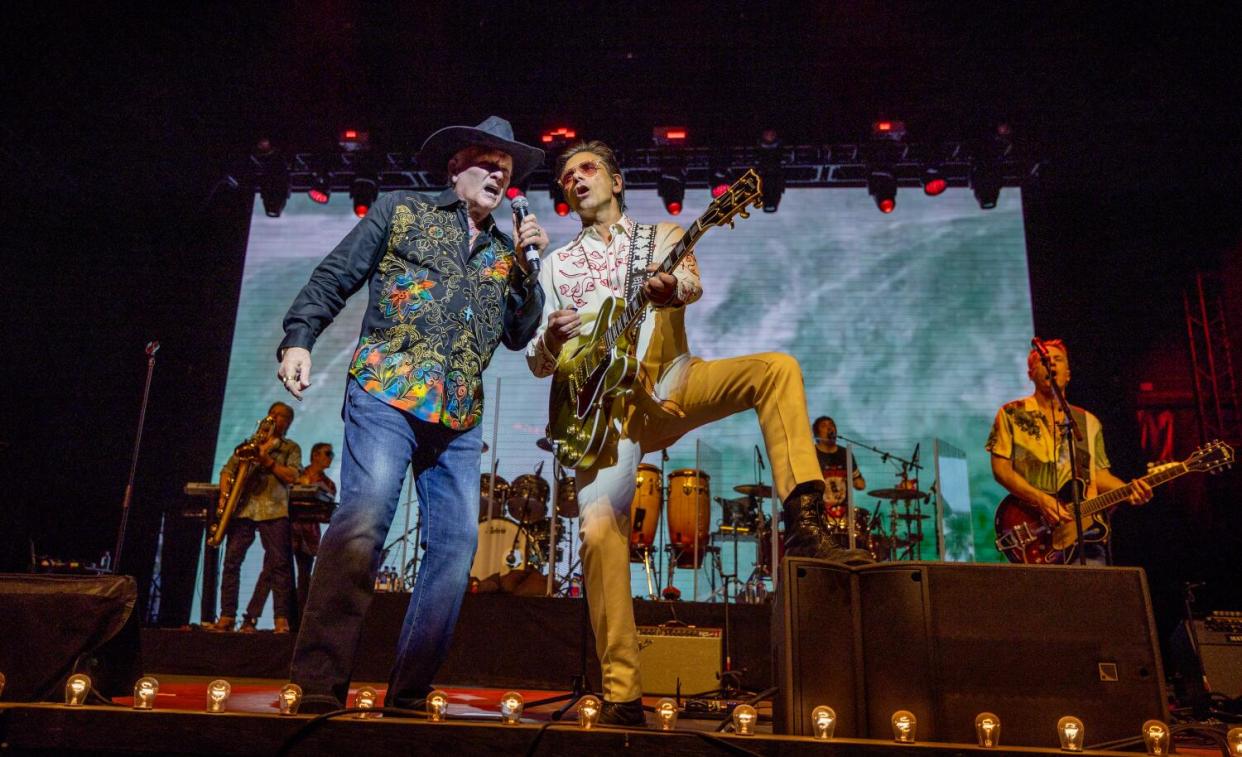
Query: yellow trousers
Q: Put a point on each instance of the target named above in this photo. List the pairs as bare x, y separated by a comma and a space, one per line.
769, 382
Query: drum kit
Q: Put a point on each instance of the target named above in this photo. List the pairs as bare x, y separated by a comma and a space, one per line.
515, 526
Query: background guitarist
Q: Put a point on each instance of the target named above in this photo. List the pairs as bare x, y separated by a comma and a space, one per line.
680, 392
1031, 460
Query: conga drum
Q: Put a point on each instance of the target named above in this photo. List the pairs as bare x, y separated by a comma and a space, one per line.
645, 510
689, 513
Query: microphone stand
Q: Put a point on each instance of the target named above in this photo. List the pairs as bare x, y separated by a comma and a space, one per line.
1069, 430
152, 348
884, 456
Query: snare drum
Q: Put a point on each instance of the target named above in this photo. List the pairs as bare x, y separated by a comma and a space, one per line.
645, 510
528, 498
689, 513
502, 493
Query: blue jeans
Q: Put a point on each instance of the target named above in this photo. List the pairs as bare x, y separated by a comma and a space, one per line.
380, 442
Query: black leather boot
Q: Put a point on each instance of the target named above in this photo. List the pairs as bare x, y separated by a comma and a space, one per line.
624, 714
806, 534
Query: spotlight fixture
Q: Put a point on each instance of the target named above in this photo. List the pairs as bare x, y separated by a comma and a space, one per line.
290, 699
771, 170
669, 135
882, 186
823, 722
744, 719
321, 188
588, 712
987, 730
437, 706
559, 204
218, 692
888, 129
363, 191
1070, 732
273, 178
718, 181
672, 188
933, 181
985, 182
77, 689
354, 140
517, 190
1156, 737
146, 689
511, 705
558, 136
666, 714
365, 699
905, 727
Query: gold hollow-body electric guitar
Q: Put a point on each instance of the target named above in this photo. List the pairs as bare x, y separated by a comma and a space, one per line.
595, 370
1023, 536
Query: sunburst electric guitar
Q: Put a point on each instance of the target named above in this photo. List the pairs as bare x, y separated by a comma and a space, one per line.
595, 370
1024, 537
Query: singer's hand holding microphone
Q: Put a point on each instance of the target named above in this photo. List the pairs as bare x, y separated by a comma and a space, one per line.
529, 236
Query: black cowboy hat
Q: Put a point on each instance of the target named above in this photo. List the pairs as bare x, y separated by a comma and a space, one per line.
494, 132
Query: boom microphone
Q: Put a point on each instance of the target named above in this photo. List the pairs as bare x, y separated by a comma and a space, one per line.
521, 209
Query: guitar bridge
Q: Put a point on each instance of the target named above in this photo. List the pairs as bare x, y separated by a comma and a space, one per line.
1017, 537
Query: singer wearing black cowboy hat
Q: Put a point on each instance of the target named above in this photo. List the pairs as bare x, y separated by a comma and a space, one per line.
444, 287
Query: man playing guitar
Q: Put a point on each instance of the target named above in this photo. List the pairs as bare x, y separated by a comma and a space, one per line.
674, 393
1030, 456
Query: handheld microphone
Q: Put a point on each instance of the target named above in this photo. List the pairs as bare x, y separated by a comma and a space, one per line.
521, 209
759, 457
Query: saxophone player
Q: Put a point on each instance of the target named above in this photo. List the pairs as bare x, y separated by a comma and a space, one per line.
263, 507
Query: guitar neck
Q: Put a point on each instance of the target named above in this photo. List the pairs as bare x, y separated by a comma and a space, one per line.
1096, 504
634, 306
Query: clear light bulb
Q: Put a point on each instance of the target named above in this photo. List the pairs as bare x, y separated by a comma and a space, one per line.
588, 711
1156, 737
290, 699
2, 680
1070, 732
823, 722
666, 714
218, 692
511, 705
146, 689
437, 706
987, 730
905, 727
744, 719
77, 688
1234, 739
365, 699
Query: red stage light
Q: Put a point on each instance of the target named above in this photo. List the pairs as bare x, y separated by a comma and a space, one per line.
883, 125
719, 189
674, 208
561, 134
351, 134
319, 196
887, 205
934, 187
514, 191
360, 210
562, 208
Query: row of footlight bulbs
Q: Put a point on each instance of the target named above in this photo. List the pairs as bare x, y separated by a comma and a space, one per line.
1070, 730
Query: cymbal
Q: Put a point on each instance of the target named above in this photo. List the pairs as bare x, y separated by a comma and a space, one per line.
895, 494
544, 443
761, 491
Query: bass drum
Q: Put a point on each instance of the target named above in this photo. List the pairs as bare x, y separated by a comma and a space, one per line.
645, 510
502, 548
689, 514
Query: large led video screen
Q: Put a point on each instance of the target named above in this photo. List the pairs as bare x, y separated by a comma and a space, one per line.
911, 328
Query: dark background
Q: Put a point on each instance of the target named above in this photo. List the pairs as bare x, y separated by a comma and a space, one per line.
120, 120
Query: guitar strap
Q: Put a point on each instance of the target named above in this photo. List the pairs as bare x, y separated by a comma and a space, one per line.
642, 249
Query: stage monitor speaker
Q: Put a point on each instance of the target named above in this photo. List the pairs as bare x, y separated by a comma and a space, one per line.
948, 641
54, 626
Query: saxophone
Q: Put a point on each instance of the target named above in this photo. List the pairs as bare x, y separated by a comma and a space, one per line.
247, 454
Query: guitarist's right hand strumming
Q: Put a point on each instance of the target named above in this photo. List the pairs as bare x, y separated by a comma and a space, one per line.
563, 325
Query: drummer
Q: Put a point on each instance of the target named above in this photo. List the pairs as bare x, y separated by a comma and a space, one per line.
832, 461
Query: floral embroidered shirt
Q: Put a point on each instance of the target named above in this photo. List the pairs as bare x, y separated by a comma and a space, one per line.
1023, 434
438, 306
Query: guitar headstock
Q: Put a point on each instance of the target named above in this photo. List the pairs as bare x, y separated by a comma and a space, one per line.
1212, 456
743, 193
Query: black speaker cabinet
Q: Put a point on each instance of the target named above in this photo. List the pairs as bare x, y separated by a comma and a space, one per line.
1217, 668
948, 641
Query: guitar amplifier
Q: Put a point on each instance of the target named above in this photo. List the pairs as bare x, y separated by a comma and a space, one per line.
685, 654
1218, 638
